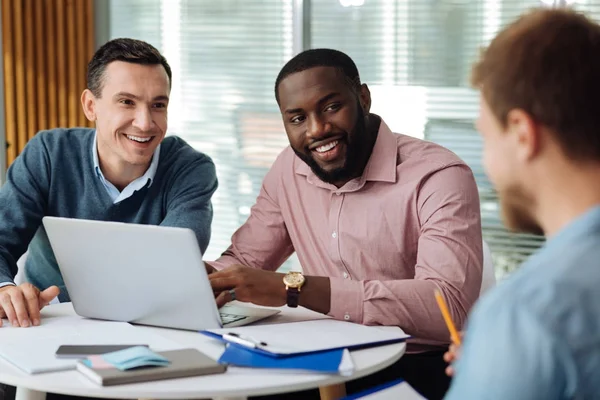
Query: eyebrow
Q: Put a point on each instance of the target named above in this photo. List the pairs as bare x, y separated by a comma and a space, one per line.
134, 97
321, 101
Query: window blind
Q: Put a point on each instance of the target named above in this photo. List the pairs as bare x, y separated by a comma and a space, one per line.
225, 56
415, 55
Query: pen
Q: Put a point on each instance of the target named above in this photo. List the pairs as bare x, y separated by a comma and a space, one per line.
242, 341
446, 314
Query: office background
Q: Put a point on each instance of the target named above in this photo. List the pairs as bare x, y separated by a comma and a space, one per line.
225, 54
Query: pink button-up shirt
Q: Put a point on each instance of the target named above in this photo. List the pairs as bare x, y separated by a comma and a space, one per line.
409, 224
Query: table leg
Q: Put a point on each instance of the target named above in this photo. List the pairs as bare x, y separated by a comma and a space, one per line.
333, 392
28, 394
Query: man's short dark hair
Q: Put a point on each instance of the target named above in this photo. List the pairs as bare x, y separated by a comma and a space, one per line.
320, 58
124, 49
547, 63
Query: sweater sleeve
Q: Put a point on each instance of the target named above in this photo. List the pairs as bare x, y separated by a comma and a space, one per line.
189, 199
23, 203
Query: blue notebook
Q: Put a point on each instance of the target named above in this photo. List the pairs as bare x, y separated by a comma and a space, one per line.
394, 390
329, 361
292, 339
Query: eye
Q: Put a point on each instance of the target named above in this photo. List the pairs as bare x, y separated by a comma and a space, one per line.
298, 119
333, 107
127, 102
159, 105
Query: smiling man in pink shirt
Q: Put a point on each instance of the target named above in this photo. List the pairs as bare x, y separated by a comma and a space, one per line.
378, 220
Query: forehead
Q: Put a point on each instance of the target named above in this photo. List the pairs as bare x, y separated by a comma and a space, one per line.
131, 77
310, 85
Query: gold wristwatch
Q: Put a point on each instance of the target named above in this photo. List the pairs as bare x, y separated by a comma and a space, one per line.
293, 281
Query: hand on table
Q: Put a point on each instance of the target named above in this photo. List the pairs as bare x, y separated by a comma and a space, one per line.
22, 304
452, 355
242, 283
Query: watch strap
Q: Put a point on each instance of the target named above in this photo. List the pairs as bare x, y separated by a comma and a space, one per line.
293, 295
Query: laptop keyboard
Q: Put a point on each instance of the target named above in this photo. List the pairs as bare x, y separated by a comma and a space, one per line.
229, 318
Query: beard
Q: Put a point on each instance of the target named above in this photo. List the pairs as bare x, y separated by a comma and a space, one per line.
516, 214
357, 142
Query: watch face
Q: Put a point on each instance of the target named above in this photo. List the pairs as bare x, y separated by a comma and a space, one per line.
293, 279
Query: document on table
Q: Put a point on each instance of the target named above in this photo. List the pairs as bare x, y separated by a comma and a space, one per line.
33, 349
312, 336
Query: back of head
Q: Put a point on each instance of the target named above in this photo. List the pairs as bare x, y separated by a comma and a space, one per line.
124, 49
320, 58
547, 63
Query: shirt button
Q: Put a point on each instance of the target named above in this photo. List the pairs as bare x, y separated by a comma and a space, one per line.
347, 317
334, 235
345, 275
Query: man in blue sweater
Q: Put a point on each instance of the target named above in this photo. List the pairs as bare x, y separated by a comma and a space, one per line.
124, 170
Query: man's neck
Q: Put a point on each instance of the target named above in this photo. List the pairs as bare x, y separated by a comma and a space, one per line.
121, 174
566, 193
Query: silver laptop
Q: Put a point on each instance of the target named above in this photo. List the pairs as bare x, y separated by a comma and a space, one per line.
143, 274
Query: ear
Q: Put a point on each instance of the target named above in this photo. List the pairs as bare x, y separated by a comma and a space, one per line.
365, 98
525, 133
88, 103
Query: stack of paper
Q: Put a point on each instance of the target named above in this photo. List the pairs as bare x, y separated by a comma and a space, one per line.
33, 349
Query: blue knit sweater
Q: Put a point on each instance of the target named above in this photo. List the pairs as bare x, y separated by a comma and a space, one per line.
55, 176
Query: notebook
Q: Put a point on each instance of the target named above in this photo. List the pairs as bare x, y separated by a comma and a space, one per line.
395, 390
184, 363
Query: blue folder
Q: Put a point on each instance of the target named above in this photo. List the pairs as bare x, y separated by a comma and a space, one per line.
379, 388
324, 361
265, 352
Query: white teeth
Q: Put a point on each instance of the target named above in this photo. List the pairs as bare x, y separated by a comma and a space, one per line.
139, 139
327, 147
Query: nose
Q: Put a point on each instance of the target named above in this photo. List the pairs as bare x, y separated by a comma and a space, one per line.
317, 127
143, 119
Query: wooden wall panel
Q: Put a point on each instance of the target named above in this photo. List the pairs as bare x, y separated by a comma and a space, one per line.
10, 104
46, 46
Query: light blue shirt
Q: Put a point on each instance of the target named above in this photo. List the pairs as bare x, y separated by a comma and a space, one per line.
537, 335
137, 184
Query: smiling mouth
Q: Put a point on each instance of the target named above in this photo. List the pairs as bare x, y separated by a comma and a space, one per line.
327, 147
140, 139
329, 152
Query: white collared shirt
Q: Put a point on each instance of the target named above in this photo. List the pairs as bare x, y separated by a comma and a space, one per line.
137, 184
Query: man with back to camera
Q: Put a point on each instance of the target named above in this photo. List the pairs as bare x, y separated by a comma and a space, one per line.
537, 335
378, 220
124, 170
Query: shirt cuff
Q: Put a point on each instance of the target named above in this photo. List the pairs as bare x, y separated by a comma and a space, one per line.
7, 284
346, 300
223, 262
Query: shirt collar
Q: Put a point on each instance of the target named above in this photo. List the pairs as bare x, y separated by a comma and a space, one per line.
582, 225
380, 167
148, 175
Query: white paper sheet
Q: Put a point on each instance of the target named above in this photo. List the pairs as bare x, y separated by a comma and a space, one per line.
301, 337
33, 349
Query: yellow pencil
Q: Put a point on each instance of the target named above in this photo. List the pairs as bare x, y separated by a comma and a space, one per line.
446, 314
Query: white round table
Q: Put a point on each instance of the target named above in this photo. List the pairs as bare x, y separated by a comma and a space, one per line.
236, 383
